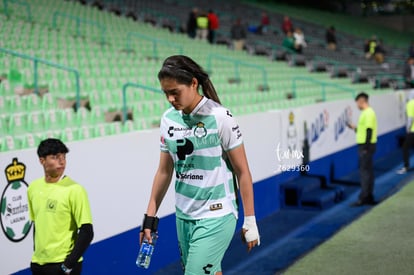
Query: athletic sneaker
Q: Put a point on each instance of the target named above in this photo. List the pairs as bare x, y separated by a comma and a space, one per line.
402, 171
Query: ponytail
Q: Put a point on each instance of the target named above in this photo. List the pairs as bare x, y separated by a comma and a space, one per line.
183, 69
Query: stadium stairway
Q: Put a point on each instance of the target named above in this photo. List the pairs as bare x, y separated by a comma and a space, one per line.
291, 232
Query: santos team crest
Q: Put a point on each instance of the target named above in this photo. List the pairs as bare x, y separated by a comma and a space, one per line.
14, 216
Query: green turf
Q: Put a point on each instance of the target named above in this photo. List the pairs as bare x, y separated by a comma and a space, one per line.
380, 242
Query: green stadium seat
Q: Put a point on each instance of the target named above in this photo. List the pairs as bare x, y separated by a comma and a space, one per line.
130, 126
9, 143
29, 140
101, 130
51, 133
16, 104
35, 122
115, 128
18, 123
68, 117
52, 119
85, 132
3, 105
98, 114
48, 101
69, 134
83, 117
32, 102
4, 127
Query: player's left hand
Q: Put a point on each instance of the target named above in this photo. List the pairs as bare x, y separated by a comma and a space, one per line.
350, 125
250, 233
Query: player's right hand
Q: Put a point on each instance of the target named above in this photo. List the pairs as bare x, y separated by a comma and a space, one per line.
145, 234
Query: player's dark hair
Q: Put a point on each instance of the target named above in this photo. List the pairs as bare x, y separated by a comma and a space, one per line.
183, 69
362, 95
51, 146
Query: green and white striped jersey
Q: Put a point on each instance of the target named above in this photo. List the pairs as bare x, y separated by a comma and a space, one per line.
204, 184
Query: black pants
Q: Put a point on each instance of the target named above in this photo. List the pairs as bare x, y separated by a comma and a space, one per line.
211, 36
366, 169
53, 269
408, 143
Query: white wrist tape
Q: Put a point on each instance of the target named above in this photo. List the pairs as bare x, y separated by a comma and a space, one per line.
252, 233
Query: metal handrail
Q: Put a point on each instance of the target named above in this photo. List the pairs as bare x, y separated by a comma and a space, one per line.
237, 64
322, 84
155, 43
124, 96
80, 21
37, 60
21, 3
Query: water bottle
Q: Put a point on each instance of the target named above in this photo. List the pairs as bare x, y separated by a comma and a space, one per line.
145, 252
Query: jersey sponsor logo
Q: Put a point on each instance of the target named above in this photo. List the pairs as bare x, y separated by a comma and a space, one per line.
200, 130
184, 147
51, 205
183, 176
216, 206
173, 129
14, 206
207, 268
186, 165
236, 129
342, 121
318, 127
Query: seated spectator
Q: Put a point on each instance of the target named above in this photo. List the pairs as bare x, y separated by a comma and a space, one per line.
411, 50
409, 73
300, 42
379, 52
287, 25
213, 25
202, 26
238, 35
192, 23
331, 38
289, 41
264, 22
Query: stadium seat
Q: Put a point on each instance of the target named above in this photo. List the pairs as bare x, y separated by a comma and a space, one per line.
18, 123
9, 143
69, 134
35, 122
130, 126
29, 140
115, 128
4, 127
101, 130
32, 102
85, 132
16, 104
52, 119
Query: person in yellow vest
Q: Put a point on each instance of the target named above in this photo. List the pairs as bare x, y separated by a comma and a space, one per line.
371, 45
202, 26
409, 138
60, 211
366, 138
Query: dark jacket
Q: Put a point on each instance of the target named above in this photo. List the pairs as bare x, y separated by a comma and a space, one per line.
330, 36
407, 73
192, 22
238, 32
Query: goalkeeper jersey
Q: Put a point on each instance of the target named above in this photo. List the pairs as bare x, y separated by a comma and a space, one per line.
58, 210
204, 184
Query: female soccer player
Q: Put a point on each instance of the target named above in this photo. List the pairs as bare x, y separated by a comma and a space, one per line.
202, 142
